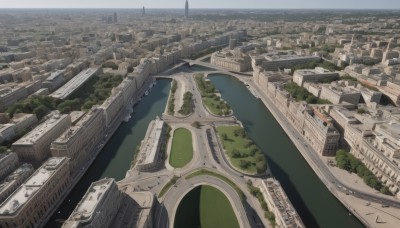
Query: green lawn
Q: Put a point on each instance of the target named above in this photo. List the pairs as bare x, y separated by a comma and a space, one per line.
241, 150
204, 172
215, 209
182, 148
215, 104
205, 207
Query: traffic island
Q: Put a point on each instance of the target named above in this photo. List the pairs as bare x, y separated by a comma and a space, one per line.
182, 148
244, 155
204, 172
212, 100
205, 206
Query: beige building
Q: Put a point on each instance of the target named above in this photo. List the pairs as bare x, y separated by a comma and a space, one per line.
316, 75
148, 158
392, 90
80, 141
14, 180
232, 60
113, 106
8, 163
23, 122
279, 204
32, 203
75, 83
11, 94
97, 207
378, 149
320, 133
277, 61
338, 93
35, 146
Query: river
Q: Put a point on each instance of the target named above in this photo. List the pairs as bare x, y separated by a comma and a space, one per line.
115, 158
315, 204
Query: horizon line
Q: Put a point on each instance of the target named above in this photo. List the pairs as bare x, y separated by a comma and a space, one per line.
373, 9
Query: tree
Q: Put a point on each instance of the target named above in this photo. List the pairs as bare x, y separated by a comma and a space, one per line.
3, 149
196, 124
264, 205
224, 136
385, 190
41, 111
130, 69
244, 164
235, 154
261, 166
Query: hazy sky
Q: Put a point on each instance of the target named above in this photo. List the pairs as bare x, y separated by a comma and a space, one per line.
268, 4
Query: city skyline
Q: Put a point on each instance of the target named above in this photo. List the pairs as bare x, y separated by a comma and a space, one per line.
251, 4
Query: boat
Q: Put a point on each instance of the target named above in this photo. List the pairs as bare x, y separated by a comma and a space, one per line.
127, 118
146, 93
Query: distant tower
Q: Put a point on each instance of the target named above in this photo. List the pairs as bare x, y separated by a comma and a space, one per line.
143, 12
187, 9
115, 17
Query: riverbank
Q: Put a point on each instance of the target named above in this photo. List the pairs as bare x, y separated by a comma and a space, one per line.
106, 158
353, 204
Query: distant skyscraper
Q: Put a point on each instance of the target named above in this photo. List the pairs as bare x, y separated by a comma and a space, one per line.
143, 12
115, 17
187, 9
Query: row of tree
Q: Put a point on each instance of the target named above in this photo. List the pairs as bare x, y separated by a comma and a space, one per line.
187, 106
347, 161
94, 92
256, 192
301, 94
171, 102
311, 65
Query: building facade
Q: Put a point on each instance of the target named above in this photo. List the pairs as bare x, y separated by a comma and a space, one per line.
36, 199
35, 146
80, 141
279, 204
97, 207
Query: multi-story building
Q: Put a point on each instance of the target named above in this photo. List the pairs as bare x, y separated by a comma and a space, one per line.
274, 62
80, 141
320, 133
11, 94
23, 122
75, 83
316, 75
148, 158
113, 106
14, 180
54, 81
8, 163
7, 132
97, 207
232, 60
35, 146
392, 90
377, 147
338, 93
34, 201
279, 204
296, 114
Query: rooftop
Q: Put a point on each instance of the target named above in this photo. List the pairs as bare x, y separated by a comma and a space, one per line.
90, 200
287, 57
55, 75
27, 190
77, 81
33, 136
10, 179
149, 149
68, 134
283, 204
